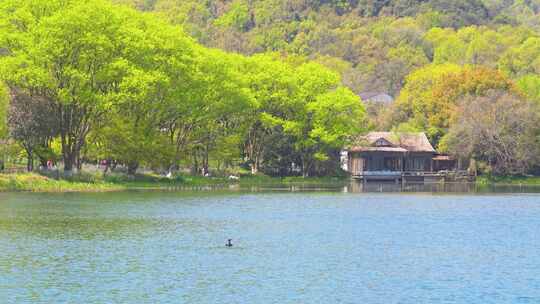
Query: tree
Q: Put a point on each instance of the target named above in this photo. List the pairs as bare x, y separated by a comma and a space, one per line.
429, 98
237, 16
272, 85
207, 107
498, 129
530, 85
416, 104
4, 104
401, 61
158, 70
523, 59
223, 102
132, 142
484, 48
32, 123
448, 46
73, 58
325, 117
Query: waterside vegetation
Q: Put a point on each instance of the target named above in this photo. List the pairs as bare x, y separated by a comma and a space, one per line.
33, 182
509, 180
219, 88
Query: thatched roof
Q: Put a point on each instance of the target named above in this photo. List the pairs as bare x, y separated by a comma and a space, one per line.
393, 142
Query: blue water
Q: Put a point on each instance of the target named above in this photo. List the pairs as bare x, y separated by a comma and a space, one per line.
307, 247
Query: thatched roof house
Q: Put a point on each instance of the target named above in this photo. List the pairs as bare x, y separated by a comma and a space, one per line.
387, 153
389, 141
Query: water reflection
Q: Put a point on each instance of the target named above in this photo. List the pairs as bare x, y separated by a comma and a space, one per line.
358, 187
371, 187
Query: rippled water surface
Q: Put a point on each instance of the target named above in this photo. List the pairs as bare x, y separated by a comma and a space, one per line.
301, 247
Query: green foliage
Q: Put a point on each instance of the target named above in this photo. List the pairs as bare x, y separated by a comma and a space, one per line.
335, 117
327, 117
371, 54
72, 56
522, 59
530, 85
4, 103
430, 95
508, 180
237, 16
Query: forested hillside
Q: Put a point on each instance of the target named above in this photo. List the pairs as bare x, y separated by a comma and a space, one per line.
268, 84
374, 44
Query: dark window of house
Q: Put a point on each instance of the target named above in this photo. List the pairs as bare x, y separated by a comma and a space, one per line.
417, 164
391, 164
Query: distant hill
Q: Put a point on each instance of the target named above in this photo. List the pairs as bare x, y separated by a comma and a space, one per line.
374, 44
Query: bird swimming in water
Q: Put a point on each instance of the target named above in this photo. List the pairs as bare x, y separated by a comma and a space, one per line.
229, 243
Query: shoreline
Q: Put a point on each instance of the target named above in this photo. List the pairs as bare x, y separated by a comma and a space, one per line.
508, 180
34, 182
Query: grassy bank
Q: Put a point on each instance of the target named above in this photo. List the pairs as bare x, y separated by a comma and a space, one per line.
39, 183
32, 182
509, 180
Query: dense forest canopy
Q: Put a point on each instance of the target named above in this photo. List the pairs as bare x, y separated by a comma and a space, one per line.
170, 83
374, 44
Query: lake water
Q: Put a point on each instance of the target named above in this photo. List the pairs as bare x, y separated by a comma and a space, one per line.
334, 246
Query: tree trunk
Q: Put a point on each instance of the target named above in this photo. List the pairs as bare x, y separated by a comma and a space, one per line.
78, 161
132, 168
30, 161
68, 164
305, 166
74, 127
254, 168
205, 161
254, 147
195, 167
106, 169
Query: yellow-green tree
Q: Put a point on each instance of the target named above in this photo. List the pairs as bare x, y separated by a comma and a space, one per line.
428, 100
